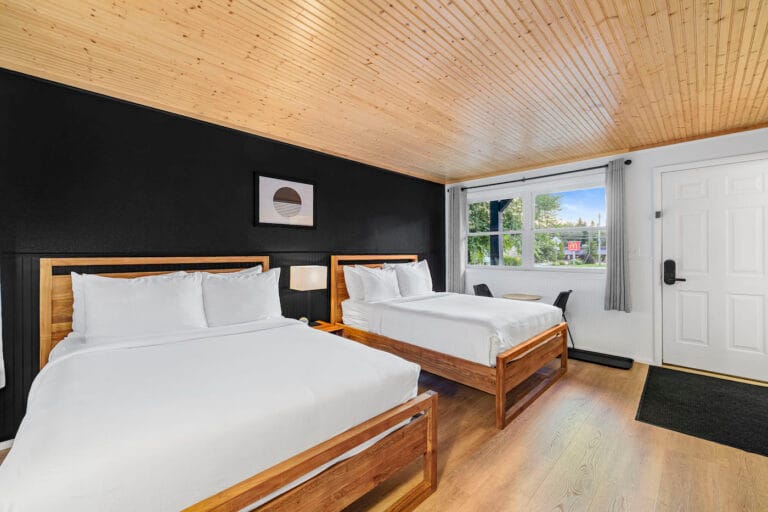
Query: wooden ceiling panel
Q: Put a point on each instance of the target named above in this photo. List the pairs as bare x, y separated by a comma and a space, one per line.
445, 90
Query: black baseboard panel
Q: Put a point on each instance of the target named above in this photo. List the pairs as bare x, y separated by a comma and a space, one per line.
85, 175
623, 363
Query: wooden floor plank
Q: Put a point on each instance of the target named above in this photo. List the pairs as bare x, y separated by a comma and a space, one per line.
573, 482
559, 424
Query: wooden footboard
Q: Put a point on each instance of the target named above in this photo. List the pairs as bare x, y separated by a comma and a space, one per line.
519, 363
472, 374
513, 367
344, 482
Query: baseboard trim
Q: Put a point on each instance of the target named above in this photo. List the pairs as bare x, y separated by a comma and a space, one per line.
714, 374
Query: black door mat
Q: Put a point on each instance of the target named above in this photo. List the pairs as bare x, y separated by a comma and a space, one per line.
719, 410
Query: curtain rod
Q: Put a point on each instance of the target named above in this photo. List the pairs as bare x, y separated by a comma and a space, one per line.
523, 180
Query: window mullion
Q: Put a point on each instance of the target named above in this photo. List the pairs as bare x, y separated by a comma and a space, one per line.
499, 226
528, 238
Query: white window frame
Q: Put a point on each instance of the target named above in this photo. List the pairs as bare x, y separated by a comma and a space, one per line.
500, 232
527, 193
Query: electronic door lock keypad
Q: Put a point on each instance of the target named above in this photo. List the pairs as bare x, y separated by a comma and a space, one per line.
670, 272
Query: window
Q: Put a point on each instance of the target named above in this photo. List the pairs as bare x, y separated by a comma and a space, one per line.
495, 232
535, 228
569, 228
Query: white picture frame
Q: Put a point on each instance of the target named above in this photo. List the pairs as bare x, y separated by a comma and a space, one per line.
284, 202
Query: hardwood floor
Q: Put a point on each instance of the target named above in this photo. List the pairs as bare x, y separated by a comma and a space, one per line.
578, 448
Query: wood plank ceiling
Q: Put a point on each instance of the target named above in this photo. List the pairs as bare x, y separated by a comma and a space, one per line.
442, 89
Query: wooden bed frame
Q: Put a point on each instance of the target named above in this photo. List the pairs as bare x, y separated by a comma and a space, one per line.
331, 490
513, 367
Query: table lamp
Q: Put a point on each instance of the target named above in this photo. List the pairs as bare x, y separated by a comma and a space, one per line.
306, 278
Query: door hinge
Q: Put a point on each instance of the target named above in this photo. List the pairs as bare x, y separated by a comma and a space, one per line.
658, 214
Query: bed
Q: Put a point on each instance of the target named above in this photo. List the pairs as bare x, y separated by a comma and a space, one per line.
228, 417
460, 337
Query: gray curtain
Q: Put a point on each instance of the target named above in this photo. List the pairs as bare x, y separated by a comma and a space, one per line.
456, 244
617, 278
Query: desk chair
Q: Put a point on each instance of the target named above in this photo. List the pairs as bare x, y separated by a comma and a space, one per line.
560, 302
482, 290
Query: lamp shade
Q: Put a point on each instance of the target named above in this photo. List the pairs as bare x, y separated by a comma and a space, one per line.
309, 277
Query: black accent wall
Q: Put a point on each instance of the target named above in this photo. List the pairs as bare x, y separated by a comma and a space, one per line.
82, 174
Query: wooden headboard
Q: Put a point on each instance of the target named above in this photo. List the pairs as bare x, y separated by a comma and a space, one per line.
56, 283
339, 291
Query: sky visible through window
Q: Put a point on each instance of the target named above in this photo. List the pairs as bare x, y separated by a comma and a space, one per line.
587, 204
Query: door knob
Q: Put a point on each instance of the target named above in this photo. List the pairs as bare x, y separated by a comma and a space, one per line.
669, 272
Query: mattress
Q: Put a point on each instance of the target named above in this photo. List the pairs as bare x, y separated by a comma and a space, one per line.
355, 313
465, 326
161, 422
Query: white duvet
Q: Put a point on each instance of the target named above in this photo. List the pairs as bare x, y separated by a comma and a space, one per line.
161, 422
466, 326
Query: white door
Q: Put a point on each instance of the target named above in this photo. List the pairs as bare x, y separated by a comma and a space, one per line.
714, 228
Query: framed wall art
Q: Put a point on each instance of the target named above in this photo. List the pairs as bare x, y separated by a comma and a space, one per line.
284, 202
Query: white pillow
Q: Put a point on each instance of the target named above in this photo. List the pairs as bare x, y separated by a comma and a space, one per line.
78, 295
78, 304
144, 305
413, 278
354, 282
236, 298
379, 284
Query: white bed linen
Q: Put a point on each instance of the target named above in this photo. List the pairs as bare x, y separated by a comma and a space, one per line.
355, 313
162, 424
466, 326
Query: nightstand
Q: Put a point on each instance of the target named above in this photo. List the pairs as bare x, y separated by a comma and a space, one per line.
329, 327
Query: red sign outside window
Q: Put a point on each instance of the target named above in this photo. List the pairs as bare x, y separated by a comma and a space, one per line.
574, 246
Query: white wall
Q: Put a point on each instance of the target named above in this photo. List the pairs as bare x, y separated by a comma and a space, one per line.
627, 334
